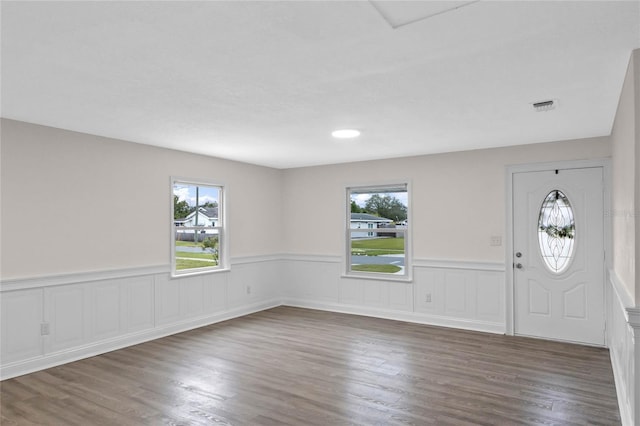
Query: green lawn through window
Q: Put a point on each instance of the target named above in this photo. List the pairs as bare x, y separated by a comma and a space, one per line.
389, 269
377, 246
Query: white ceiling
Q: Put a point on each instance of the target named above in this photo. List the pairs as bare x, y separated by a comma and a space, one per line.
266, 82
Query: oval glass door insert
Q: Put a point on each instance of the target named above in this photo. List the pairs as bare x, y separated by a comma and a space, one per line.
556, 231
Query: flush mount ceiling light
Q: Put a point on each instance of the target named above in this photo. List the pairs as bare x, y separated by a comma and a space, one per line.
345, 133
545, 105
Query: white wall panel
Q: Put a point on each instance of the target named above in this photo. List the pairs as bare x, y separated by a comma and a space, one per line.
375, 293
91, 310
252, 282
490, 295
239, 289
329, 289
273, 279
401, 296
215, 292
464, 293
312, 280
292, 279
65, 310
188, 297
351, 291
624, 349
105, 309
167, 299
99, 312
455, 293
468, 295
429, 290
21, 318
140, 303
192, 296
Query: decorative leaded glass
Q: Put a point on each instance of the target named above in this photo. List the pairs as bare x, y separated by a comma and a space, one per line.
556, 231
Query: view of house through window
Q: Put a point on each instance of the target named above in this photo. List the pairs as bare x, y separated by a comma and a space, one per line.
197, 227
377, 230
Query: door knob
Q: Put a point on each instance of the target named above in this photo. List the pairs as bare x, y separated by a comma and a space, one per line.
519, 265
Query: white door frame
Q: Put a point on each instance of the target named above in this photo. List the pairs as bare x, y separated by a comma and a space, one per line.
508, 255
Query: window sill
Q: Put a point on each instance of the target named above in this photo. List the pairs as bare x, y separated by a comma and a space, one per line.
191, 274
390, 277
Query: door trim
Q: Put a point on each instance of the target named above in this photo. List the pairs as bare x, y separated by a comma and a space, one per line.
605, 164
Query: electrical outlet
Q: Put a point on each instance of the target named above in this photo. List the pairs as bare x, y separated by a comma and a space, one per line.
495, 241
44, 329
248, 289
428, 298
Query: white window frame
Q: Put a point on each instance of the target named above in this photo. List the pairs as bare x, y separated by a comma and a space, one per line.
407, 276
220, 227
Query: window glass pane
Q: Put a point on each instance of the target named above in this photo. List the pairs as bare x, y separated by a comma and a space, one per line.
187, 198
196, 248
556, 231
197, 226
377, 227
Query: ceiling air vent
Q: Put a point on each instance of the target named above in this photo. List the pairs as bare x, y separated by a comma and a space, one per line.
544, 105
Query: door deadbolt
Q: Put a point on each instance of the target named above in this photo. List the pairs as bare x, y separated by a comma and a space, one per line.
518, 254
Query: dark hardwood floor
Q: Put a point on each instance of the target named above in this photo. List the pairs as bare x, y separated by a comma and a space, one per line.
290, 366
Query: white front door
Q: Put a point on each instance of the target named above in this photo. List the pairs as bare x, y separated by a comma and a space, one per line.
558, 258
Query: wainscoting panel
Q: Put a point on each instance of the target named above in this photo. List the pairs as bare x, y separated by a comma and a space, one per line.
185, 298
66, 311
352, 291
376, 294
167, 298
51, 321
401, 296
429, 290
47, 321
490, 295
317, 280
252, 282
21, 319
191, 296
215, 292
466, 297
90, 313
138, 306
623, 340
455, 294
106, 302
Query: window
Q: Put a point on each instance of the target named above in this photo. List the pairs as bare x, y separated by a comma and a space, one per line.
377, 231
198, 237
556, 231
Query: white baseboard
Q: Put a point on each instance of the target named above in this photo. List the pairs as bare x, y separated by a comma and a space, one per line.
414, 317
77, 353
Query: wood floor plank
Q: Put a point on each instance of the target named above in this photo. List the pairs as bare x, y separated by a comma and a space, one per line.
292, 366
